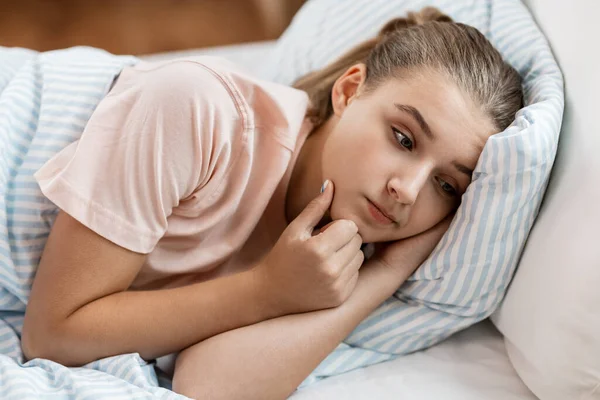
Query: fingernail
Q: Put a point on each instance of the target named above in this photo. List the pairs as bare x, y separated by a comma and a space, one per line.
324, 185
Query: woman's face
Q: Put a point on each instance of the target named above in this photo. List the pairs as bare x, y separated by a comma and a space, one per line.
406, 148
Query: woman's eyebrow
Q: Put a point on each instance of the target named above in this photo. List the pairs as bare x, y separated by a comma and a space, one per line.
413, 112
465, 170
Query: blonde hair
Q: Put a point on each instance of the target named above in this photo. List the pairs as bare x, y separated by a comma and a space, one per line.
431, 39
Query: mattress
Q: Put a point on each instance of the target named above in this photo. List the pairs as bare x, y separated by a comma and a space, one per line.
471, 365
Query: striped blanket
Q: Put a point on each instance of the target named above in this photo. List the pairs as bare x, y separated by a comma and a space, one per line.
45, 101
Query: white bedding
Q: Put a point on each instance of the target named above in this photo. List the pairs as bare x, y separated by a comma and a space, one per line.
471, 365
248, 55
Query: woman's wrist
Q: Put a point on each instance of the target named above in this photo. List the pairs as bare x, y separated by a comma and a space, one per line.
395, 274
266, 303
376, 283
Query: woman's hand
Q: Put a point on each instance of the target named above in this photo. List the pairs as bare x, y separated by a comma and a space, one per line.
305, 272
268, 360
401, 258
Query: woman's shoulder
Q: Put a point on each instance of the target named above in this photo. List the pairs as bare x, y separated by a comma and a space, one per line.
178, 81
271, 107
227, 88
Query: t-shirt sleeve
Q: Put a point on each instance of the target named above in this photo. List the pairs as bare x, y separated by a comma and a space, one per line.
155, 139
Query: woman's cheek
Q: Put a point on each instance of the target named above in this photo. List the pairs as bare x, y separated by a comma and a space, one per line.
424, 213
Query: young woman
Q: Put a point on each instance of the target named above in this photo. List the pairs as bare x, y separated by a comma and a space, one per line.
192, 222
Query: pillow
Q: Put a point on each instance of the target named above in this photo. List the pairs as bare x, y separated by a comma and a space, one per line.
550, 315
465, 278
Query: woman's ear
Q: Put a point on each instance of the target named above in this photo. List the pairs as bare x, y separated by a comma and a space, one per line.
348, 87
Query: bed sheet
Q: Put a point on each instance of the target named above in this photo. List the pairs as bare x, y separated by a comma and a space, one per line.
471, 365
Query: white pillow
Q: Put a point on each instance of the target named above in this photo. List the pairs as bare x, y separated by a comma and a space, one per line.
467, 275
550, 315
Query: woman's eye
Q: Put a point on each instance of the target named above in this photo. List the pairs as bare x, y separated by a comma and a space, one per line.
448, 188
402, 139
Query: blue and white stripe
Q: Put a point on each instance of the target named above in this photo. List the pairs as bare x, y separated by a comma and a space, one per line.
45, 101
467, 275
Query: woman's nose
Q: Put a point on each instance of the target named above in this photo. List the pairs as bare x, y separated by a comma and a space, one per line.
405, 187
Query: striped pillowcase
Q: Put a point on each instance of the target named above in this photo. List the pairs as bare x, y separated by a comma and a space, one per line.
465, 278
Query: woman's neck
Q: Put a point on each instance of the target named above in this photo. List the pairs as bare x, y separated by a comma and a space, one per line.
307, 176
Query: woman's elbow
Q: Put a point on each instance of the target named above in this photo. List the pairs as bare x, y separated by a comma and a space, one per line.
42, 340
31, 345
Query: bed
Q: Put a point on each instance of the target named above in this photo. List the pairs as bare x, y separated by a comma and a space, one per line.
472, 364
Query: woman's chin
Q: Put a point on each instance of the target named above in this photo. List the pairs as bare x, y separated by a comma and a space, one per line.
371, 231
372, 234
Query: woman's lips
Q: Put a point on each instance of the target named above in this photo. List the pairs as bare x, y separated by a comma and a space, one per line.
378, 215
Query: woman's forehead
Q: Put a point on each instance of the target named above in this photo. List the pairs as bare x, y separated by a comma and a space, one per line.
444, 121
437, 106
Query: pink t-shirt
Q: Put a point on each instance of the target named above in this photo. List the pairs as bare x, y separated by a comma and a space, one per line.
187, 161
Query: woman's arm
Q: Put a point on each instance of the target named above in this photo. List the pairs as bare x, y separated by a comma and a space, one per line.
270, 359
79, 309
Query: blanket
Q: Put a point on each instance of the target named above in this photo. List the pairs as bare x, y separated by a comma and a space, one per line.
45, 101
